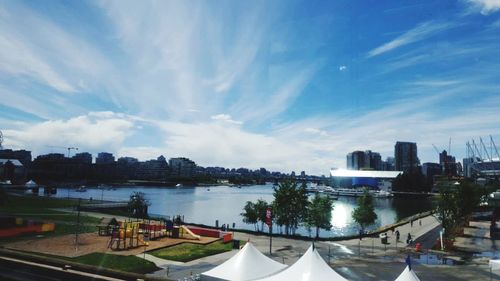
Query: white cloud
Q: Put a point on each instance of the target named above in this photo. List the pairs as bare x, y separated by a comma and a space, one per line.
486, 7
91, 132
316, 131
418, 33
225, 118
342, 67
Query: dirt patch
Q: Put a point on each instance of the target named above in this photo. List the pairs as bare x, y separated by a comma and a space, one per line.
91, 243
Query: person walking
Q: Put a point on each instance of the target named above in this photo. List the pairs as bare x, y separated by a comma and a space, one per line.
409, 239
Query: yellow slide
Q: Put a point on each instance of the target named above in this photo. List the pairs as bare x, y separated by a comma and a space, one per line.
195, 236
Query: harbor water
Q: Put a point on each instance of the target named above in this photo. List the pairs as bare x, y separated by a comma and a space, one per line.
205, 205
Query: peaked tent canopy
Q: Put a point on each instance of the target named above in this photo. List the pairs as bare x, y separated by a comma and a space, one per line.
309, 267
248, 264
495, 264
31, 183
407, 275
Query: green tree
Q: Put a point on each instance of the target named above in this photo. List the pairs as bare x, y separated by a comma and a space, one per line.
364, 214
413, 181
250, 214
447, 210
138, 205
319, 213
290, 205
455, 204
261, 208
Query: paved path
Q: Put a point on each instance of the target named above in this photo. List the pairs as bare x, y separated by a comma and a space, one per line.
418, 229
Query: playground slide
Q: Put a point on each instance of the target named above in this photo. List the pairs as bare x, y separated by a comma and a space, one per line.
197, 237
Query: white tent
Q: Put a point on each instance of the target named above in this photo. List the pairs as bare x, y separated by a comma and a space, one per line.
31, 183
495, 264
407, 275
309, 267
248, 264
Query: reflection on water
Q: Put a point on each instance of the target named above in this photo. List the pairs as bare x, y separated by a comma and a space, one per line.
206, 205
339, 216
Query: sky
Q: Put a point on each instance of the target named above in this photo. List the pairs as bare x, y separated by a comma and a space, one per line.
286, 85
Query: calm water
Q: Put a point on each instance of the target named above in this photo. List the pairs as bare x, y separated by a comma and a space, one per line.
205, 205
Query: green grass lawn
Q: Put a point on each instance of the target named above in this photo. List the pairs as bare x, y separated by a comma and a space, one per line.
41, 209
117, 262
188, 251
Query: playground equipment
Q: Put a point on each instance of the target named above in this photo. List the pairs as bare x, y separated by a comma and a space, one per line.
187, 231
154, 229
125, 236
106, 226
11, 226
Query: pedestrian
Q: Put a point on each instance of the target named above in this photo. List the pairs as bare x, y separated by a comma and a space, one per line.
420, 222
408, 239
411, 223
397, 235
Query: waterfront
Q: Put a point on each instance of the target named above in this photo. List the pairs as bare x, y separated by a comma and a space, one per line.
205, 205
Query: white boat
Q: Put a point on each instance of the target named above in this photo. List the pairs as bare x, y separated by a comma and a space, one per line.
356, 192
382, 194
178, 185
81, 189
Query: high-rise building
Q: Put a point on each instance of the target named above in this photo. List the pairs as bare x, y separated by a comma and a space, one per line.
429, 170
153, 169
363, 160
448, 163
405, 155
84, 158
182, 167
388, 164
24, 156
105, 158
355, 160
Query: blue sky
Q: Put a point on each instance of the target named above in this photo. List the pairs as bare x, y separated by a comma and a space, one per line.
286, 85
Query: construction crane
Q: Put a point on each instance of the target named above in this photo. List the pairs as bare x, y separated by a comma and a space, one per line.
63, 147
436, 149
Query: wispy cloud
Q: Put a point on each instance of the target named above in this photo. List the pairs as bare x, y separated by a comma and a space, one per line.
418, 33
486, 7
225, 118
50, 56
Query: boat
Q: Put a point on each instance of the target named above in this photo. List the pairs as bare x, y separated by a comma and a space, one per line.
178, 185
382, 194
356, 192
82, 188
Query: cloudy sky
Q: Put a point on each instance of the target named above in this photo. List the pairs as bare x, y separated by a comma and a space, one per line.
286, 85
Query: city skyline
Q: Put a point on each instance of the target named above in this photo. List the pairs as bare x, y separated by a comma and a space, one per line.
287, 85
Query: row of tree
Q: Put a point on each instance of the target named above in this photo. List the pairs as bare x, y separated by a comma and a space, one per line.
292, 208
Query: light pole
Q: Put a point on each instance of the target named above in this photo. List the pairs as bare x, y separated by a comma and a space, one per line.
269, 222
